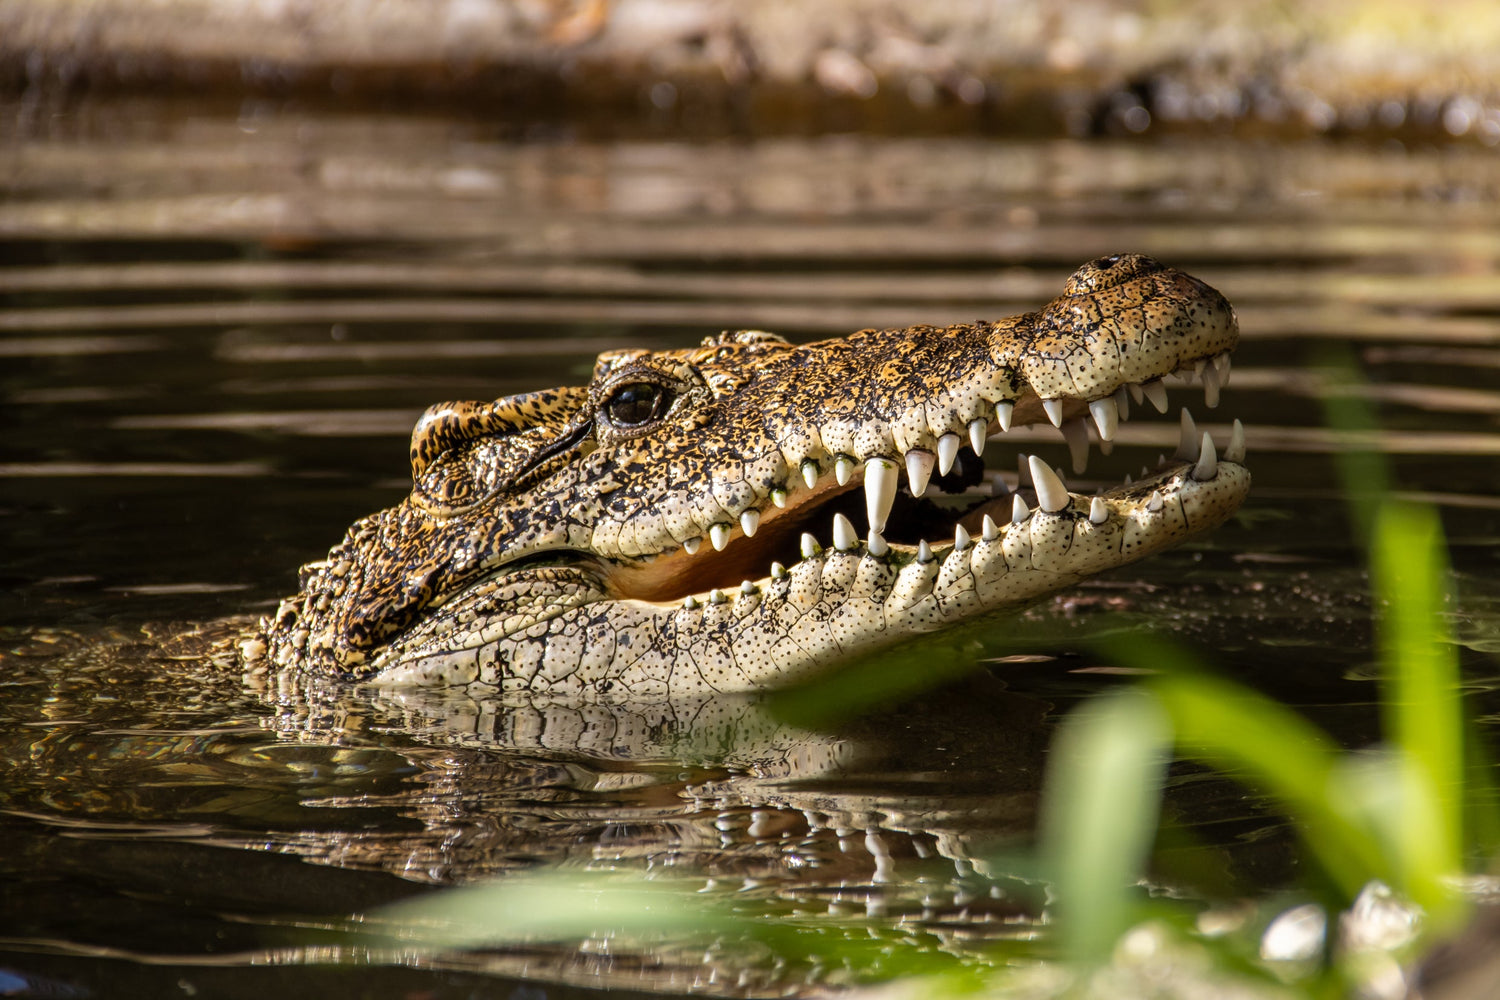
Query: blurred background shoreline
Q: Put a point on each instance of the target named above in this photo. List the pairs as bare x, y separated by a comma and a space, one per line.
707, 67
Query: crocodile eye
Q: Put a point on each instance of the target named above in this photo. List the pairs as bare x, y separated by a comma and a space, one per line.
637, 403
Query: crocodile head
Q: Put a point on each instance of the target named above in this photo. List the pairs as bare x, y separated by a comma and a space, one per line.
729, 516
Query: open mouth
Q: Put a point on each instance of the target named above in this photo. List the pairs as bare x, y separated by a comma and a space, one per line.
925, 502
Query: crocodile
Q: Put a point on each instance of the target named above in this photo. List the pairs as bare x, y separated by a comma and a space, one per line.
686, 522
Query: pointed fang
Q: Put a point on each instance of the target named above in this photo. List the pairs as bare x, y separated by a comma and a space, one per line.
918, 470
810, 546
718, 536
1098, 511
1236, 450
1136, 393
747, 588
1054, 408
1004, 410
1051, 494
979, 430
924, 552
1221, 363
1155, 503
1156, 393
1018, 509
692, 545
749, 521
1210, 386
880, 491
778, 497
1106, 413
961, 538
810, 473
778, 571
991, 529
947, 451
843, 470
877, 544
1076, 433
1187, 444
844, 538
1122, 402
1208, 460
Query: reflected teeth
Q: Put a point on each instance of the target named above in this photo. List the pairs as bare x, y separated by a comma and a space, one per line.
1076, 433
979, 429
1236, 450
1051, 494
843, 470
1004, 410
947, 452
1156, 392
1054, 408
1098, 511
1187, 445
749, 521
880, 491
810, 473
718, 536
844, 538
919, 470
1208, 461
1106, 414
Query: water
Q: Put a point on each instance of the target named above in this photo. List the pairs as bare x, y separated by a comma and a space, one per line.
219, 326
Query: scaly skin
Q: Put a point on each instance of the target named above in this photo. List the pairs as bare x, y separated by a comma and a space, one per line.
573, 542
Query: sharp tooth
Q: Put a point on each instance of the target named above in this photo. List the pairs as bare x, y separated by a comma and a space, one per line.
778, 497
718, 535
778, 571
747, 588
998, 485
924, 552
1076, 432
1136, 393
880, 491
1155, 503
1187, 445
979, 430
689, 603
918, 470
810, 546
1236, 450
1157, 393
1122, 403
1054, 408
1129, 478
749, 521
692, 545
1051, 494
810, 473
1098, 511
876, 544
960, 538
844, 538
1106, 414
1210, 387
1208, 460
991, 529
1018, 509
1221, 364
1198, 367
948, 446
716, 596
1004, 410
1106, 447
843, 469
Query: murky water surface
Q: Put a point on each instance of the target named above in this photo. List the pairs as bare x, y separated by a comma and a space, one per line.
217, 331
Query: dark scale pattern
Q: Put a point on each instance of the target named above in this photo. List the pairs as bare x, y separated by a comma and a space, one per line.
506, 562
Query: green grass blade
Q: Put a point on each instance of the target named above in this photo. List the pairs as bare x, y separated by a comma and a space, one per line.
1099, 813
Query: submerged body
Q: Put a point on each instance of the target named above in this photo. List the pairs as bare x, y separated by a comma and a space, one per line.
687, 521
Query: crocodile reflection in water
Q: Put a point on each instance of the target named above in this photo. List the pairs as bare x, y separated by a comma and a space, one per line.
554, 543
